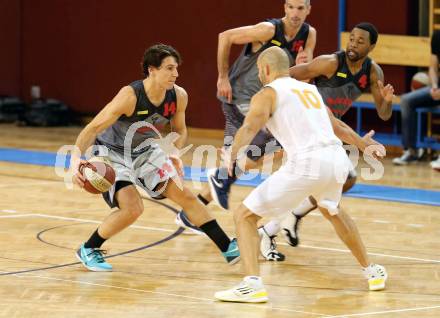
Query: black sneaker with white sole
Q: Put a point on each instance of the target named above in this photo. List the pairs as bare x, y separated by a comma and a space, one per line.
289, 228
220, 185
268, 247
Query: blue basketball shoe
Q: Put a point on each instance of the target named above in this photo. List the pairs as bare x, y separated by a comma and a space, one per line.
92, 259
232, 255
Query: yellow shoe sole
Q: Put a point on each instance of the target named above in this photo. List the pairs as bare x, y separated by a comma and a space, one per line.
376, 284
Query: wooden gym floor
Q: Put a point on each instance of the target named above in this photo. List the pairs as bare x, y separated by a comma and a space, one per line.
161, 272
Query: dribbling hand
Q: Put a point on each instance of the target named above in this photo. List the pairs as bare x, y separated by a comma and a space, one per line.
77, 176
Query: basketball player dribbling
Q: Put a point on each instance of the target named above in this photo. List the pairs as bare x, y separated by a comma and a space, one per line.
139, 109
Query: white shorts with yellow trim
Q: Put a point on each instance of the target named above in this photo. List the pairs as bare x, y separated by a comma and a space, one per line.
322, 175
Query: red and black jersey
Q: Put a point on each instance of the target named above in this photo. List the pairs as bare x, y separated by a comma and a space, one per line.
340, 90
145, 122
243, 74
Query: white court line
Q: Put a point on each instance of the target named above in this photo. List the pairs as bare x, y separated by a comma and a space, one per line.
209, 300
26, 184
281, 243
416, 225
377, 221
48, 216
265, 307
386, 312
212, 300
85, 220
8, 211
381, 221
15, 216
375, 254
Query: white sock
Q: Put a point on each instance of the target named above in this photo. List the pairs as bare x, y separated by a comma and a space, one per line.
367, 271
272, 228
254, 281
305, 207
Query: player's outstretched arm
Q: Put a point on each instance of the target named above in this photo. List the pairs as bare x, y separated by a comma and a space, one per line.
349, 136
323, 65
261, 32
383, 94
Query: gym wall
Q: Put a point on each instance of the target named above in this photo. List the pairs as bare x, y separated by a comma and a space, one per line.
82, 52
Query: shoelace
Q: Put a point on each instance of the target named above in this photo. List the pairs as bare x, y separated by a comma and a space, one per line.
376, 272
97, 255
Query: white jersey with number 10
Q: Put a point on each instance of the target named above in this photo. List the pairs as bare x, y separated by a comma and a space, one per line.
300, 121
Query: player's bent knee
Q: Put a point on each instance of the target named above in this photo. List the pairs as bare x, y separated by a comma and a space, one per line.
187, 197
239, 213
242, 213
134, 211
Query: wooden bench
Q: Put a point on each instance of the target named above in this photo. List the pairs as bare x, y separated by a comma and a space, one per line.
399, 50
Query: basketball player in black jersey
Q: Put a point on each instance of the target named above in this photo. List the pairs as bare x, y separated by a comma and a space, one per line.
341, 78
237, 84
120, 132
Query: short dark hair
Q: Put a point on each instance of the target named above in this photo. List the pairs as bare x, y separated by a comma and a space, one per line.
371, 29
155, 54
307, 2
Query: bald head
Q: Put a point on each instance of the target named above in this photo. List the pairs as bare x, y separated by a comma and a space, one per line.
272, 63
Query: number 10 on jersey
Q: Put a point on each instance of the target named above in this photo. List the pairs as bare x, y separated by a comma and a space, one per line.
308, 98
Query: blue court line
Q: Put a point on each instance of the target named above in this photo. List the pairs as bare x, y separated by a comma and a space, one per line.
366, 191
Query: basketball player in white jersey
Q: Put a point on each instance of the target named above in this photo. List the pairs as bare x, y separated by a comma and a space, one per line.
296, 115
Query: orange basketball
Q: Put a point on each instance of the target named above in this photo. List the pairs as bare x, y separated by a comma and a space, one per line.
99, 175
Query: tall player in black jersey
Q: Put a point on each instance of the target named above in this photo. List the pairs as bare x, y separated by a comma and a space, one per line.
120, 132
341, 78
237, 84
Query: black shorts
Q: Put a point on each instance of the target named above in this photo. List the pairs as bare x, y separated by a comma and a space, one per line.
118, 186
